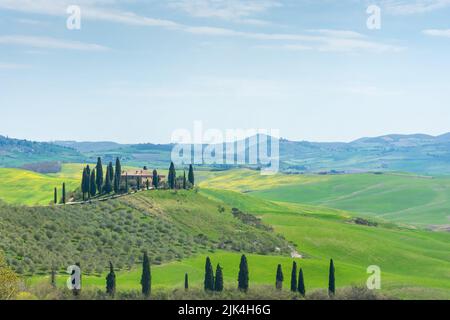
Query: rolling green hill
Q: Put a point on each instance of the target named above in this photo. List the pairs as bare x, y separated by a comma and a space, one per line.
418, 153
15, 153
138, 155
414, 263
422, 154
180, 229
400, 198
169, 225
23, 187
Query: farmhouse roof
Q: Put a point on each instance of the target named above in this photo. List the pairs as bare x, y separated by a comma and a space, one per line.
138, 173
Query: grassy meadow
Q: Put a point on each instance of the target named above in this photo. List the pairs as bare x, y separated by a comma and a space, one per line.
23, 187
399, 198
262, 272
314, 213
414, 263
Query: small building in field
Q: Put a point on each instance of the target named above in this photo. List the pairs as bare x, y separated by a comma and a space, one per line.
143, 175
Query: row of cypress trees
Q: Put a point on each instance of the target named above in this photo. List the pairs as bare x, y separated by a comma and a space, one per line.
214, 282
296, 286
146, 278
93, 181
172, 178
63, 197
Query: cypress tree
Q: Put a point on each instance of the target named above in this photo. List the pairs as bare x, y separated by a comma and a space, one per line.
88, 181
186, 282
294, 277
111, 281
184, 179
99, 178
279, 278
64, 193
301, 284
172, 176
243, 274
116, 185
331, 280
111, 171
118, 176
191, 175
155, 179
55, 196
93, 186
209, 276
107, 188
218, 285
83, 184
146, 279
147, 184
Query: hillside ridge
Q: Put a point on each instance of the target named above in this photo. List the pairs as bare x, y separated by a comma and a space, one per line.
415, 153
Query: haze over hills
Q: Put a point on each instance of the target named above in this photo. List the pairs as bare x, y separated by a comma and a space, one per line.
90, 146
16, 153
416, 153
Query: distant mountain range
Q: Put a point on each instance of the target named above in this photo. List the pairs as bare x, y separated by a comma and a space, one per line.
417, 153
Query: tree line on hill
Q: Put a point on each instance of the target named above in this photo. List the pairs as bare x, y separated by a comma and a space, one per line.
183, 182
94, 183
214, 282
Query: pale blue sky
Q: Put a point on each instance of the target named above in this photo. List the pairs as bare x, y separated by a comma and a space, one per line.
138, 70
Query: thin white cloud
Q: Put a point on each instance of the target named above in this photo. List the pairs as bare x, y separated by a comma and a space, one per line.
10, 66
101, 10
367, 90
208, 87
338, 33
129, 18
287, 47
356, 45
322, 39
51, 7
49, 43
339, 46
225, 87
332, 41
231, 10
407, 7
90, 9
437, 33
30, 22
